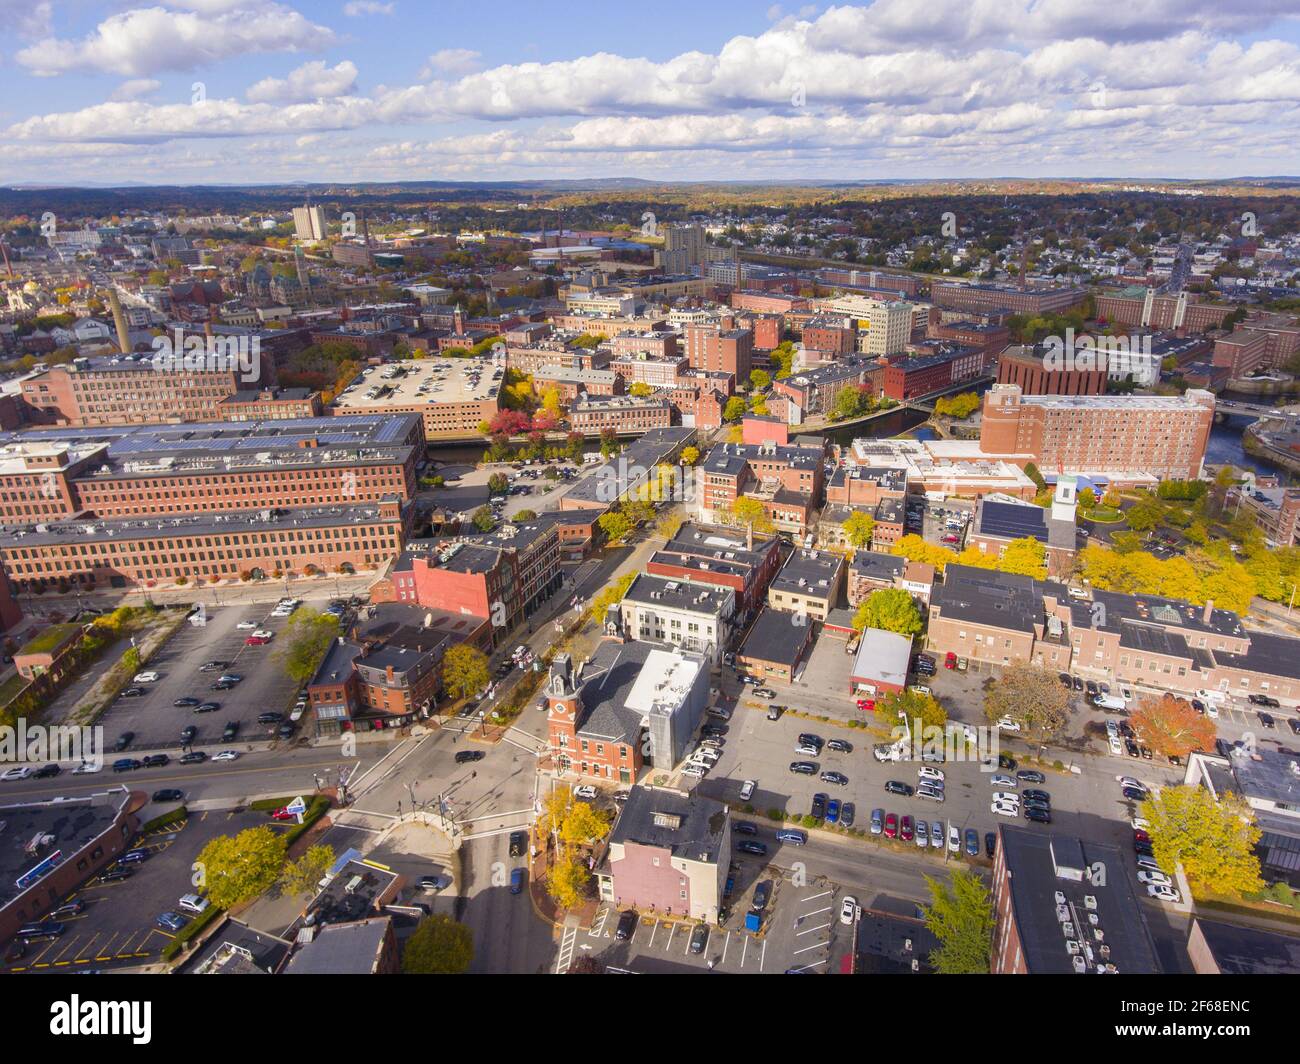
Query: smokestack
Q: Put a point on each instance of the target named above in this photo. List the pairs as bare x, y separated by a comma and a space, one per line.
1208, 612
749, 536
119, 320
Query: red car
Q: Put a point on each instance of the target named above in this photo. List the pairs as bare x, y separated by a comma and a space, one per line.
282, 814
867, 705
950, 660
905, 829
255, 641
891, 826
1141, 836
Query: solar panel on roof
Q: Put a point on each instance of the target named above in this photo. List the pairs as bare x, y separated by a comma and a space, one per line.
1013, 522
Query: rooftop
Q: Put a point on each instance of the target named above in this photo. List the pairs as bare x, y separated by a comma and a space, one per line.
424, 382
352, 948
809, 572
680, 595
775, 636
689, 826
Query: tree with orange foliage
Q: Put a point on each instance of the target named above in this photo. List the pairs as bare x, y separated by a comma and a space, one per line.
1171, 727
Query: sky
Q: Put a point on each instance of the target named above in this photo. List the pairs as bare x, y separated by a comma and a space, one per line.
250, 91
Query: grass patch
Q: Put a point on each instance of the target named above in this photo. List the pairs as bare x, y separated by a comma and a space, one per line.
1103, 515
11, 688
53, 636
177, 815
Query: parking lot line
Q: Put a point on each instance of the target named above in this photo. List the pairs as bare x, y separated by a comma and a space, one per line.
815, 912
811, 930
725, 943
816, 945
823, 894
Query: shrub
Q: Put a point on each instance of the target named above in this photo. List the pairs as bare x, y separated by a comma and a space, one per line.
776, 814
190, 930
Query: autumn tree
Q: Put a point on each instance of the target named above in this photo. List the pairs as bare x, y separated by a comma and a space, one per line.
615, 524
690, 455
304, 642
1030, 695
237, 868
1171, 727
568, 881
438, 946
960, 916
859, 527
735, 409
303, 874
1212, 838
751, 513
465, 670
915, 549
904, 708
891, 609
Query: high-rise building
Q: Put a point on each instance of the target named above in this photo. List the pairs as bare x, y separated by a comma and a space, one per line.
309, 223
884, 326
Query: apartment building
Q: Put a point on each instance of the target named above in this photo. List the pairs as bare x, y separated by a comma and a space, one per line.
1275, 511
762, 471
723, 558
724, 350
937, 365
884, 326
680, 613
269, 404
989, 298
592, 414
1141, 306
235, 545
1030, 370
815, 390
1123, 436
809, 583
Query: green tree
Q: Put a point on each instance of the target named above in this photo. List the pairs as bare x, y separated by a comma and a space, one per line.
465, 671
735, 409
759, 379
306, 638
960, 916
859, 527
890, 609
234, 869
615, 524
751, 513
1213, 839
302, 875
438, 946
483, 519
498, 483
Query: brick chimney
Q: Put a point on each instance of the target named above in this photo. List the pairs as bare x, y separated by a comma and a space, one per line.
1208, 612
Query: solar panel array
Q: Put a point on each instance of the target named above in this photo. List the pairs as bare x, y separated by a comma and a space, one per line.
1013, 522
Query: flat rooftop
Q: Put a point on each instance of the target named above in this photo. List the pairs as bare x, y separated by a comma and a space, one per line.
809, 572
680, 595
424, 382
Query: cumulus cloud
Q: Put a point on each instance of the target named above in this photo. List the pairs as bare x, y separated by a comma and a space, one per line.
311, 81
450, 61
25, 19
361, 8
147, 41
135, 88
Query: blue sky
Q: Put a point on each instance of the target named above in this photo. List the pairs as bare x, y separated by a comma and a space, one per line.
373, 90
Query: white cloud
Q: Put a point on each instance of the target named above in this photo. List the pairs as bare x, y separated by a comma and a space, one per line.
24, 18
147, 41
311, 81
358, 8
135, 88
453, 61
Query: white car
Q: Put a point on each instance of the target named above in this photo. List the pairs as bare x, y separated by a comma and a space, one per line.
1007, 724
1147, 877
244, 625
145, 677
925, 772
19, 773
954, 838
1148, 864
848, 909
1140, 824
922, 835
1002, 780
747, 790
694, 768
86, 768
586, 791
226, 755
1115, 747
263, 633
1211, 711
1006, 796
1002, 809
1163, 893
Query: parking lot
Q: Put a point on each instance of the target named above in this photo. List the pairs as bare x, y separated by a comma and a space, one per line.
157, 723
117, 928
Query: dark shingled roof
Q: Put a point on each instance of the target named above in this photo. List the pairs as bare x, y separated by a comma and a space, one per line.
699, 836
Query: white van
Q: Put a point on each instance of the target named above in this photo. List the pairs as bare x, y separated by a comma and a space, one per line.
1109, 702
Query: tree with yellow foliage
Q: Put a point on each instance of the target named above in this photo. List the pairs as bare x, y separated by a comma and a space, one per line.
1213, 839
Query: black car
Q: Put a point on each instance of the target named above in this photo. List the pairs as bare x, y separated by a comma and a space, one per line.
1078, 683
1131, 748
1042, 807
134, 692
990, 843
1006, 762
68, 908
193, 757
207, 707
1134, 794
116, 875
713, 731
123, 741
1029, 775
269, 718
518, 843
464, 757
762, 892
186, 702
1199, 706
1064, 677
1266, 719
1264, 700
229, 732
1030, 795
214, 666
125, 764
1294, 725
803, 768
758, 849
169, 794
1037, 814
846, 815
808, 739
744, 827
221, 685
626, 926
837, 778
46, 771
1091, 688
156, 761
285, 730
819, 805
894, 787
699, 938
840, 746
1143, 849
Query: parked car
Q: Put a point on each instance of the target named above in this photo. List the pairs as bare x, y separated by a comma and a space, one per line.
156, 761
840, 746
747, 790
792, 835
848, 909
186, 702
803, 768
906, 831
895, 787
990, 844
836, 778
21, 772
847, 814
891, 826
126, 764
758, 849
225, 755
877, 821
699, 939
463, 757
1028, 775
819, 805
194, 757
744, 827
972, 843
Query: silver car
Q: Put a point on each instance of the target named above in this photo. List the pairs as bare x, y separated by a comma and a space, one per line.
936, 834
877, 821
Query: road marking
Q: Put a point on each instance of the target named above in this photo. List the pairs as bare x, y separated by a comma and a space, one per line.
762, 957
814, 964
725, 943
810, 930
565, 958
744, 950
815, 912
598, 924
823, 894
819, 945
